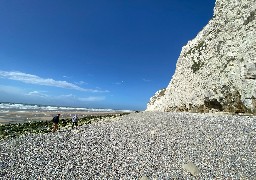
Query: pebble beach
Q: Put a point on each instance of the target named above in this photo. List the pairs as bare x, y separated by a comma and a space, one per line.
145, 145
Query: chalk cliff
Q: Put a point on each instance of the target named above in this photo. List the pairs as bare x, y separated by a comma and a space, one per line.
216, 71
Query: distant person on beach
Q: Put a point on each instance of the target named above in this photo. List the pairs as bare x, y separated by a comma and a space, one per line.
74, 121
55, 121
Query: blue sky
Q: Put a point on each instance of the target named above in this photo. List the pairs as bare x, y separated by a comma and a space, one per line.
93, 53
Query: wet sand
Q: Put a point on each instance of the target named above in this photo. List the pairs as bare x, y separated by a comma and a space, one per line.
20, 116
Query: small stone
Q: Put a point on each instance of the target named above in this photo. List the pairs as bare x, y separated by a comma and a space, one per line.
190, 167
144, 178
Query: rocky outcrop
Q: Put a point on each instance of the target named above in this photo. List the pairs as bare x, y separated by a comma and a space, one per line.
216, 71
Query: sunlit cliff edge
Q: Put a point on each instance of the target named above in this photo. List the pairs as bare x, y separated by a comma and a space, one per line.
216, 71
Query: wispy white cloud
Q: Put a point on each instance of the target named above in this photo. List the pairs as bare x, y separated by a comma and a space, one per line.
11, 89
146, 80
92, 98
75, 99
81, 82
16, 94
37, 94
64, 76
119, 83
67, 96
33, 79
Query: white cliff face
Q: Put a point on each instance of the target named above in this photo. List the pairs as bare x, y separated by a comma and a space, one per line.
217, 69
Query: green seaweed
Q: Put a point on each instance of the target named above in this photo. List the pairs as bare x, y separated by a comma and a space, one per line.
15, 130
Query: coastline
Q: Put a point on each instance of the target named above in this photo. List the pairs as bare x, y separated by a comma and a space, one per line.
21, 113
44, 125
23, 116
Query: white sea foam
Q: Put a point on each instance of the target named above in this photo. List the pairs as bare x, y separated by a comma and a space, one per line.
20, 106
4, 111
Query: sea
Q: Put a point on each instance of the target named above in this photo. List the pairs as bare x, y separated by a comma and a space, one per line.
21, 112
